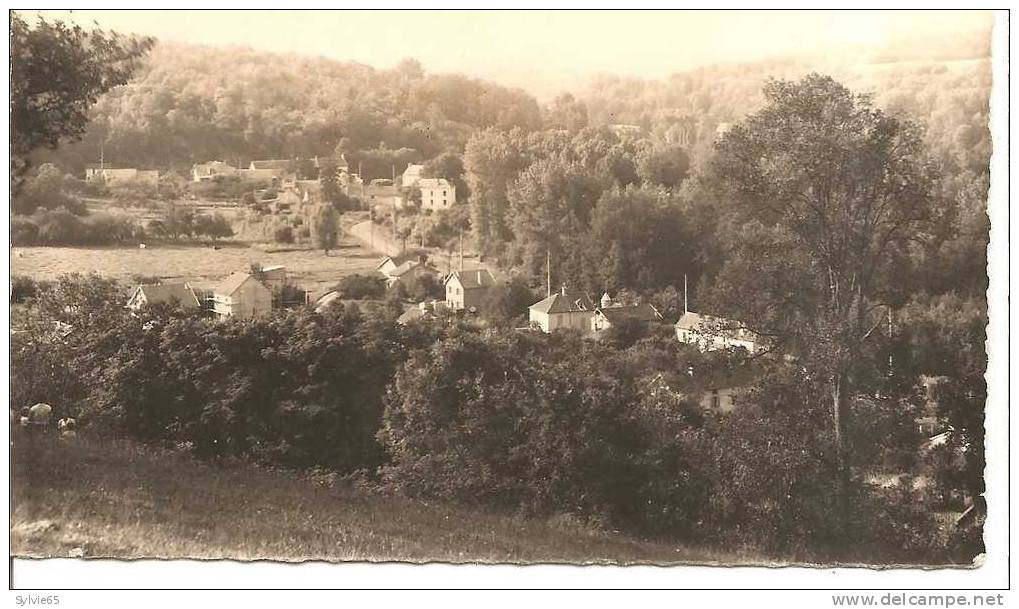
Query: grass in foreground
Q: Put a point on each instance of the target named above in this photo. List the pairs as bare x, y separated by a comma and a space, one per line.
97, 499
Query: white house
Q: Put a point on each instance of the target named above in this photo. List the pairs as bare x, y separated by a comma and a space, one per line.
711, 333
436, 193
562, 310
411, 175
467, 289
241, 295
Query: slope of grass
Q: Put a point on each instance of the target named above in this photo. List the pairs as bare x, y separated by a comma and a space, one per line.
99, 499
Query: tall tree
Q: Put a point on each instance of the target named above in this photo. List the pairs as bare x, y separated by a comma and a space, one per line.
836, 189
57, 73
325, 228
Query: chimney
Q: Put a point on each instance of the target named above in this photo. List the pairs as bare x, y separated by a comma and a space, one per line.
563, 289
479, 276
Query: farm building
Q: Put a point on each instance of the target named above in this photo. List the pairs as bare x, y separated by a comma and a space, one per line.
712, 333
406, 266
562, 310
609, 313
465, 290
180, 294
241, 295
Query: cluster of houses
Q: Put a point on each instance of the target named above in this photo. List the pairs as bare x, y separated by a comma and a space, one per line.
436, 193
242, 294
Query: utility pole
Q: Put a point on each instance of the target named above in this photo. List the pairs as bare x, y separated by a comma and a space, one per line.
890, 358
461, 250
686, 307
548, 273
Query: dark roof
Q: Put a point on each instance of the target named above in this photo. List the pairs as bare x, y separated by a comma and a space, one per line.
641, 312
411, 265
168, 292
473, 279
564, 301
405, 256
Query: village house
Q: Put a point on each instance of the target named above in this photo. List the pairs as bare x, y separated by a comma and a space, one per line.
405, 266
424, 311
466, 290
609, 313
411, 175
711, 333
436, 193
241, 295
562, 310
112, 176
178, 294
205, 172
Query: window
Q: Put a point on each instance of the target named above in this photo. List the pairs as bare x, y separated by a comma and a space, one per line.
444, 193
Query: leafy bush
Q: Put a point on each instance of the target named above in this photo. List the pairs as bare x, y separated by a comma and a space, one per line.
61, 227
361, 287
508, 421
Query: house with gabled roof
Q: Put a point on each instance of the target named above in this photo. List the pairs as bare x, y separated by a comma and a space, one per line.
411, 175
562, 310
710, 333
204, 172
241, 295
406, 265
178, 294
610, 313
466, 290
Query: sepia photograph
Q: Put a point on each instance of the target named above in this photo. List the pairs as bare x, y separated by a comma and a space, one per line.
683, 288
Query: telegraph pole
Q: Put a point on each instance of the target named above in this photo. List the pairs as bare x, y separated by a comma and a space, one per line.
686, 307
548, 273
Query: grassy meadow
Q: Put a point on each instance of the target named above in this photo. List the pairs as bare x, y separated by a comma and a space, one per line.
201, 265
99, 499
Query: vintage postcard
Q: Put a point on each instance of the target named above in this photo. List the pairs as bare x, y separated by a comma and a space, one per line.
572, 287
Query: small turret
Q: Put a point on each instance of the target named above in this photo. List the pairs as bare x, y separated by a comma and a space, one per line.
606, 300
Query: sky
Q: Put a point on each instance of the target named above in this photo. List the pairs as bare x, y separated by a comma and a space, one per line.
536, 45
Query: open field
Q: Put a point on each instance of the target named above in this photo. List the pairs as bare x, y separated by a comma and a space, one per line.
203, 266
119, 499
